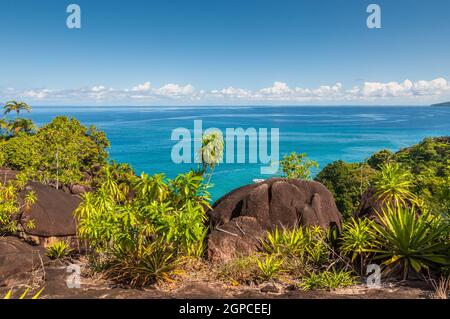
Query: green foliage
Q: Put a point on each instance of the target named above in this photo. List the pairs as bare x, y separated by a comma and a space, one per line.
429, 163
211, 153
407, 240
308, 244
14, 106
380, 158
328, 280
58, 250
166, 216
61, 151
357, 237
241, 270
20, 125
10, 206
269, 267
393, 185
297, 166
347, 182
68, 149
155, 262
21, 152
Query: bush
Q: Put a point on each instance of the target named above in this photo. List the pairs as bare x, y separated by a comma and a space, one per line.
269, 267
406, 240
241, 270
11, 206
153, 263
328, 280
308, 244
58, 250
164, 218
380, 158
21, 152
62, 151
392, 185
297, 166
357, 238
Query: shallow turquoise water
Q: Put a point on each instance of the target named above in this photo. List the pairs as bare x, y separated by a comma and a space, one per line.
141, 136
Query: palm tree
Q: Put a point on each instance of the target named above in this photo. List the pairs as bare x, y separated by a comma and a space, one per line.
211, 152
14, 106
21, 125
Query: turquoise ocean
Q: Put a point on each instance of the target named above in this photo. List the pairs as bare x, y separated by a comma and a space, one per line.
141, 136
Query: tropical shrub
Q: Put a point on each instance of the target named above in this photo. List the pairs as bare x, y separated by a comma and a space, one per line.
61, 151
357, 238
328, 279
21, 152
269, 267
393, 185
68, 149
308, 244
241, 270
58, 250
155, 261
405, 240
164, 217
380, 158
11, 206
297, 166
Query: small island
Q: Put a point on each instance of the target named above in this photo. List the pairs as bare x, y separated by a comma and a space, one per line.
440, 104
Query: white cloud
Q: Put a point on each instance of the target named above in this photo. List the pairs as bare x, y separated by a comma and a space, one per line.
174, 90
142, 87
279, 92
98, 88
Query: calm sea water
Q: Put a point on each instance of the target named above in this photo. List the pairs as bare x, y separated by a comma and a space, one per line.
141, 136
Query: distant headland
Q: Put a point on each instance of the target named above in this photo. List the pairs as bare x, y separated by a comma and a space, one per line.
441, 104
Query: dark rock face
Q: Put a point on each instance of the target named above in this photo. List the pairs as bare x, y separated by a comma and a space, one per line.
239, 219
18, 259
370, 205
52, 213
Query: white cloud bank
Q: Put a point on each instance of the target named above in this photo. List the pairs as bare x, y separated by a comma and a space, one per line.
423, 91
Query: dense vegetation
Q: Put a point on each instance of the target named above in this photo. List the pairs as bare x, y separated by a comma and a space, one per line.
61, 152
142, 229
424, 167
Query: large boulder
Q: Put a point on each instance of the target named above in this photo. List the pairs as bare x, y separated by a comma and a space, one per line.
241, 218
52, 214
18, 260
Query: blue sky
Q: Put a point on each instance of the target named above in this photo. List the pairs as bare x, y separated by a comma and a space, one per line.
225, 52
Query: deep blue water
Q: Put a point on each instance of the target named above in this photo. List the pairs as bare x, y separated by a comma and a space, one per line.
141, 136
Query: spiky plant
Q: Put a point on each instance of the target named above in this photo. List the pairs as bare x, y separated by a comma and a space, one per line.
393, 185
406, 240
